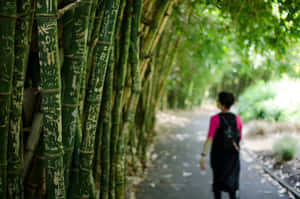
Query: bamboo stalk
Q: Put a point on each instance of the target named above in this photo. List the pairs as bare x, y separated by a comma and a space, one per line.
51, 96
8, 11
90, 55
68, 7
33, 141
92, 17
14, 179
166, 73
94, 95
72, 69
74, 188
155, 34
34, 180
117, 109
106, 133
146, 44
132, 104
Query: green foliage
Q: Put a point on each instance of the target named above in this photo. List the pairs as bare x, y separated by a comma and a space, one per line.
228, 45
286, 148
271, 101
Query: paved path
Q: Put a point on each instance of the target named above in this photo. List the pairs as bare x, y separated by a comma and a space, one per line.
175, 173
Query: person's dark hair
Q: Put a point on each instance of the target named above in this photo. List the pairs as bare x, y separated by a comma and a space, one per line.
226, 99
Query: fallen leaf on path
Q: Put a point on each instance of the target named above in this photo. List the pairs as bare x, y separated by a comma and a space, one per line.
152, 185
186, 174
167, 176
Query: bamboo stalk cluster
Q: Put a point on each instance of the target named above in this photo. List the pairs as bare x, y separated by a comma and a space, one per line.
80, 84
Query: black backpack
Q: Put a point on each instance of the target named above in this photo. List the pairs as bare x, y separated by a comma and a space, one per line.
231, 137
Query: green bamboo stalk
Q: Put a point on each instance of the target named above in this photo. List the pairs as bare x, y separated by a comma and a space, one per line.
120, 83
94, 95
165, 73
92, 18
67, 25
51, 96
8, 11
90, 55
74, 61
145, 123
106, 132
97, 170
74, 188
118, 34
34, 179
153, 37
14, 179
32, 141
132, 104
155, 26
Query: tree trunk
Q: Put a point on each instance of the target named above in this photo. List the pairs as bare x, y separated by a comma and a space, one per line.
51, 96
8, 17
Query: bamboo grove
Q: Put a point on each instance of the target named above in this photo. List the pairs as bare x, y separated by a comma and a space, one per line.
81, 82
79, 89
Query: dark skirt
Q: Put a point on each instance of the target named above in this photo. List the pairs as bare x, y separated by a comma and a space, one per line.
226, 171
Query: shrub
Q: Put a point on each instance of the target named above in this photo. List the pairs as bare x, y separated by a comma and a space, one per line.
271, 101
286, 148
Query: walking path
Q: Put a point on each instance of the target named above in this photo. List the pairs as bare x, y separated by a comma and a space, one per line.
175, 172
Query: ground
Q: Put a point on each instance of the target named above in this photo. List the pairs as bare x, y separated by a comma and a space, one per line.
175, 172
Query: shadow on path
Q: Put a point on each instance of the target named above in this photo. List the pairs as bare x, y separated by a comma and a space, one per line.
175, 172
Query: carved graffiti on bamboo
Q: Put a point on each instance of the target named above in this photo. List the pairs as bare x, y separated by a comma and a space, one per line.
58, 181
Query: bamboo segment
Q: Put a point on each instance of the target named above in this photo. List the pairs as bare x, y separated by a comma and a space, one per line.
8, 17
74, 188
33, 141
90, 54
15, 181
92, 18
75, 59
155, 25
132, 104
106, 132
93, 100
117, 109
154, 35
51, 96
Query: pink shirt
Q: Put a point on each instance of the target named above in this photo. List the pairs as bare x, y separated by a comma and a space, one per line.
215, 121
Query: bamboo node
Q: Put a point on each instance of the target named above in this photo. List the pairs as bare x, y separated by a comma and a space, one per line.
40, 157
68, 149
5, 94
3, 165
92, 100
50, 90
104, 43
22, 46
147, 56
69, 105
53, 155
15, 172
86, 2
74, 57
8, 16
37, 15
26, 13
86, 152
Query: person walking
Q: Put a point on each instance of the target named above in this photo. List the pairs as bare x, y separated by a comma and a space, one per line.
224, 135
